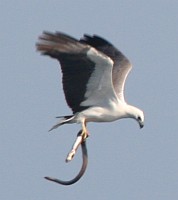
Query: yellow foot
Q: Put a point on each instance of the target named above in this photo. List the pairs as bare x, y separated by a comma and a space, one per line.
84, 134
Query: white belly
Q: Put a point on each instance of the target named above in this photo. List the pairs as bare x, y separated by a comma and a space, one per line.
98, 114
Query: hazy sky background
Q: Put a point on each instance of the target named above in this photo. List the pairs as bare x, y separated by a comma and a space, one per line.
124, 162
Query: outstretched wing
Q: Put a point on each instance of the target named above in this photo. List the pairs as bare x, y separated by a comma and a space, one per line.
87, 72
122, 65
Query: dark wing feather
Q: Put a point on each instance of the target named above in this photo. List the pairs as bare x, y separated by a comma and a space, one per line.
76, 72
76, 68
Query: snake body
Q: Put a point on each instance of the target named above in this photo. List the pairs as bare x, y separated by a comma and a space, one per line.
81, 172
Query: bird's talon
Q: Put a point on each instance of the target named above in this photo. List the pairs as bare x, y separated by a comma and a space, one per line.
84, 135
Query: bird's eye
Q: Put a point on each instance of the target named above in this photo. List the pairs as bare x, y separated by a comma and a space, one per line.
139, 118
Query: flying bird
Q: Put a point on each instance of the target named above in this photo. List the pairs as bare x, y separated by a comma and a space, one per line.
94, 74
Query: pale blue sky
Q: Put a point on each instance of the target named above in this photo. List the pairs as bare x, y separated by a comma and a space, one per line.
124, 162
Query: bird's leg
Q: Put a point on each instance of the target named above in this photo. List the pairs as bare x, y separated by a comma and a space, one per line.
84, 133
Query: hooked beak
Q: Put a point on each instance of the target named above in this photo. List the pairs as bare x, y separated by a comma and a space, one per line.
141, 124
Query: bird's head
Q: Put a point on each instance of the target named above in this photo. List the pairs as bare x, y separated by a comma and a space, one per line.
140, 118
136, 114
